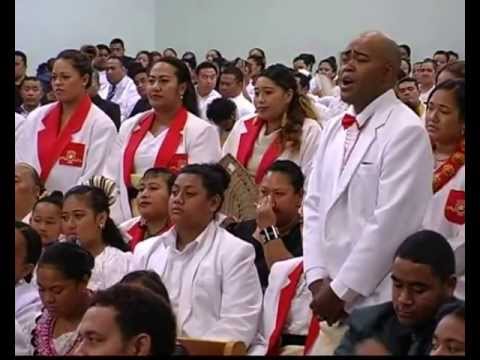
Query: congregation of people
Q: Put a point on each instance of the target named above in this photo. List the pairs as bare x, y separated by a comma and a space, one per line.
357, 243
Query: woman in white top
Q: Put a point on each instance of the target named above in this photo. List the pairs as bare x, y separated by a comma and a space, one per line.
170, 135
86, 221
62, 276
67, 141
153, 193
445, 123
284, 127
28, 248
209, 273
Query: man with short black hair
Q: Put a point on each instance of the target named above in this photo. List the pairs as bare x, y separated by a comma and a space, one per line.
127, 320
108, 107
441, 59
20, 73
222, 112
426, 79
423, 277
140, 78
117, 48
452, 56
231, 87
405, 51
207, 74
121, 88
408, 91
100, 64
31, 92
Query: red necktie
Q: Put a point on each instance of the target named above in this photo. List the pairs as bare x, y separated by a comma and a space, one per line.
348, 120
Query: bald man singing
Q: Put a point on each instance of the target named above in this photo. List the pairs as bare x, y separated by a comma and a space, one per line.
370, 184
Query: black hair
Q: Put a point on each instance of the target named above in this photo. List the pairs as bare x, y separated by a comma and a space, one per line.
259, 50
70, 259
309, 59
206, 65
296, 58
117, 41
183, 77
55, 198
221, 109
103, 47
303, 79
164, 173
408, 79
190, 57
454, 307
458, 88
33, 245
457, 69
430, 60
89, 50
219, 54
135, 68
407, 49
140, 310
452, 53
291, 131
215, 179
441, 52
332, 61
115, 57
292, 171
172, 50
235, 71
148, 279
260, 61
30, 78
429, 248
22, 55
145, 52
80, 62
98, 201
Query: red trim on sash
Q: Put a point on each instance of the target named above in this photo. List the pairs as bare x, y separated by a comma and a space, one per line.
52, 142
285, 301
138, 230
247, 143
168, 148
444, 173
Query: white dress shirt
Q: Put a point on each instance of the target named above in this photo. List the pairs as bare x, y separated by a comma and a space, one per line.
148, 149
110, 267
204, 101
126, 96
244, 107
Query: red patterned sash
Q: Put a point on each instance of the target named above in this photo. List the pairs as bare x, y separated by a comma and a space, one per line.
449, 168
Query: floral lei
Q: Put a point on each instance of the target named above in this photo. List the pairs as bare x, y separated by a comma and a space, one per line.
449, 168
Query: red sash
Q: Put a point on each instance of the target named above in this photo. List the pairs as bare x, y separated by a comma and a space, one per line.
167, 150
286, 296
137, 232
52, 142
449, 168
247, 143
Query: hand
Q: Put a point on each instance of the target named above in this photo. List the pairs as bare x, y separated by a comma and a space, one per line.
326, 305
265, 215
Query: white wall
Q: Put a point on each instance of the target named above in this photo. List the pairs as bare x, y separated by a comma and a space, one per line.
45, 27
323, 27
283, 28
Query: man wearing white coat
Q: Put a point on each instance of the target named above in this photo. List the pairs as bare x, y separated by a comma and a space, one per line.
370, 184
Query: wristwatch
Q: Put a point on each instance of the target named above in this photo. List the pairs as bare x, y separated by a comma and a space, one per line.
269, 233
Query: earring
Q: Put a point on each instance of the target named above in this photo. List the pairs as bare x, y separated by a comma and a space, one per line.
101, 226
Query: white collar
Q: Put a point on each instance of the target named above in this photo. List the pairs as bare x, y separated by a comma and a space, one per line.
386, 98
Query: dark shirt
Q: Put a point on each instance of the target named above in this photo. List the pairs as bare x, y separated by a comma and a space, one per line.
18, 98
380, 322
141, 106
110, 108
292, 241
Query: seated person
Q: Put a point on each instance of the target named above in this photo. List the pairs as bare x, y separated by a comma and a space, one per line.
287, 326
222, 112
423, 277
63, 273
46, 218
28, 188
449, 335
152, 201
276, 233
28, 248
209, 273
86, 221
127, 320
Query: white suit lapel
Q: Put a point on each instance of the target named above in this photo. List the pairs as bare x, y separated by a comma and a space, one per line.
185, 304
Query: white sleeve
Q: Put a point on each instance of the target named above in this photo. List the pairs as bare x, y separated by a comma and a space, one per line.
405, 190
22, 343
310, 146
206, 147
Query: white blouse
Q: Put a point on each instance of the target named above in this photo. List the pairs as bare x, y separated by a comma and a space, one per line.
27, 305
260, 147
147, 150
110, 267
